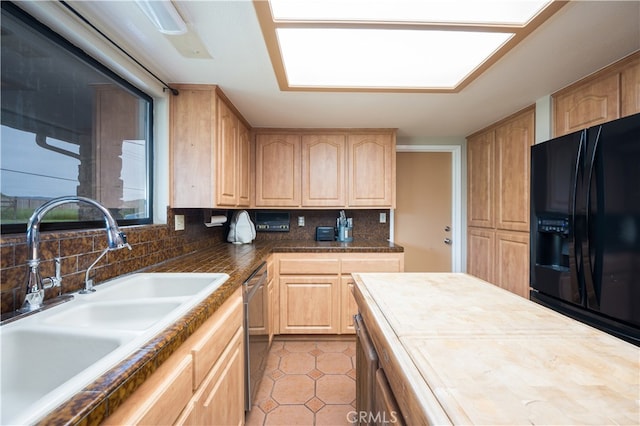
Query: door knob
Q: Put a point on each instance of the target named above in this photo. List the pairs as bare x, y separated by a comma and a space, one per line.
447, 241
447, 228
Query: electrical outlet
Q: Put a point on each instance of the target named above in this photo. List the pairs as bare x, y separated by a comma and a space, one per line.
179, 222
300, 220
383, 218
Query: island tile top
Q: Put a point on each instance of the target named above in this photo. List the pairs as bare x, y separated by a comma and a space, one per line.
491, 357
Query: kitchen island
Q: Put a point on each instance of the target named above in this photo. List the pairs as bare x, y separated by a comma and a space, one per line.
458, 350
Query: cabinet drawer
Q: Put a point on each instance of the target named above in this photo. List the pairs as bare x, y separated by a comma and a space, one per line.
309, 266
382, 264
209, 347
220, 399
161, 398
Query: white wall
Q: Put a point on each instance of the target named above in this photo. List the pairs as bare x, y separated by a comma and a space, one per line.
544, 129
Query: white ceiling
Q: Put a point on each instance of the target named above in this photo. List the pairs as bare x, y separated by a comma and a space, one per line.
581, 38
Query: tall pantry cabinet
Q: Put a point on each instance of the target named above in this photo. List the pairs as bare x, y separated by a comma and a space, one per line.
498, 161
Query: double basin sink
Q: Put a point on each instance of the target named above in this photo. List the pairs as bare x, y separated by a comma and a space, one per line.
51, 355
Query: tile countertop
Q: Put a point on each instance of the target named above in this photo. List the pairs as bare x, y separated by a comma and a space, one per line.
94, 403
472, 353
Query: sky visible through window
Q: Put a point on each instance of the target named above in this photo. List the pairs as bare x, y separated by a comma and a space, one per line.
31, 171
27, 168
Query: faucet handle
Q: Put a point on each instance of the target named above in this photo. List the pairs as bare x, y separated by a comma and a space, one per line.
124, 244
55, 281
118, 240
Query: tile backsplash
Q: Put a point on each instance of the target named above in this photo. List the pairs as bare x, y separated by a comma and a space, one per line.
366, 225
151, 244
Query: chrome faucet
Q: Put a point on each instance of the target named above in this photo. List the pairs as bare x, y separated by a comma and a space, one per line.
35, 285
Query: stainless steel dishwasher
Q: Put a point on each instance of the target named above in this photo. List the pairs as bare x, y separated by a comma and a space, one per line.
366, 367
256, 331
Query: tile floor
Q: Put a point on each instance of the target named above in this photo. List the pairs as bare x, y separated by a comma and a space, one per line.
307, 382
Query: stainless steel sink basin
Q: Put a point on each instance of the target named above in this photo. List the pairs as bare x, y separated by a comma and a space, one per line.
113, 315
50, 356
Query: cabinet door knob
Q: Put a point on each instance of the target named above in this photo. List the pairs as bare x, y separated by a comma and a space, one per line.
447, 228
447, 241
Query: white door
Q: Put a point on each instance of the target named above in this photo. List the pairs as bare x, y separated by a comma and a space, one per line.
422, 219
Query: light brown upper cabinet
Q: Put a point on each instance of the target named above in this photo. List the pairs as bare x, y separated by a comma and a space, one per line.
325, 169
513, 141
480, 158
630, 87
277, 170
611, 93
372, 170
210, 150
233, 158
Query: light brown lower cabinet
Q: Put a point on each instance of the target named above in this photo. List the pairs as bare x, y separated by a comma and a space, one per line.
213, 403
512, 262
500, 257
201, 382
309, 304
314, 289
481, 252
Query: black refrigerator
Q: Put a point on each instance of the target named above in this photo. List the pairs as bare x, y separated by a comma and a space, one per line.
585, 226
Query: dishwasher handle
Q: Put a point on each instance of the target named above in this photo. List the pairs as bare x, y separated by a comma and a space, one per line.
255, 281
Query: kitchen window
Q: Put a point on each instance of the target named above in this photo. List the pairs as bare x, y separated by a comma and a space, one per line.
69, 126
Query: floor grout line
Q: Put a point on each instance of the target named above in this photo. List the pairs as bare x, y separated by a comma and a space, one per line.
310, 383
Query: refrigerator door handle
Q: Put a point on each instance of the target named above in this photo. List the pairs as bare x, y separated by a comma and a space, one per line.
591, 276
577, 237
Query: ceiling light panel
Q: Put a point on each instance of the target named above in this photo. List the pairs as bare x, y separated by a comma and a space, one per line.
393, 45
500, 12
383, 58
